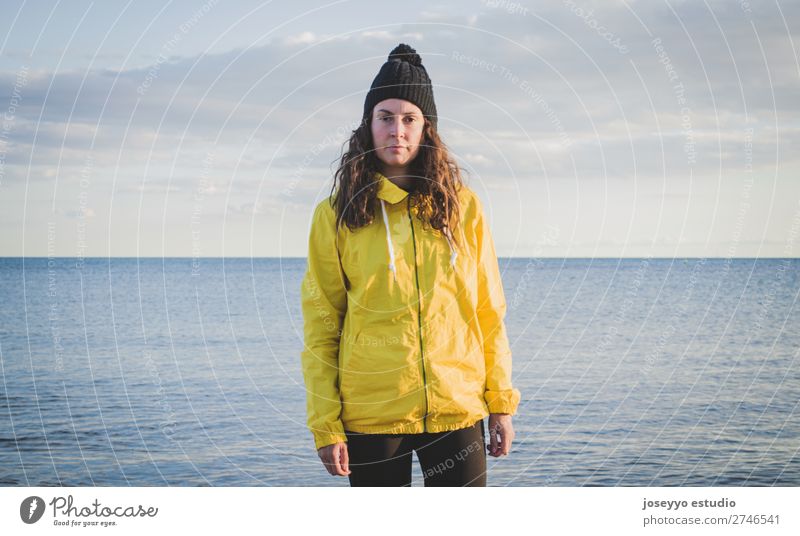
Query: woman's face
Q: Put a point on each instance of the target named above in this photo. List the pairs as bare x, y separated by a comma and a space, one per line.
396, 132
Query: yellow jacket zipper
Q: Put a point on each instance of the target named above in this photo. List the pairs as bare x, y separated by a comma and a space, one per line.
419, 315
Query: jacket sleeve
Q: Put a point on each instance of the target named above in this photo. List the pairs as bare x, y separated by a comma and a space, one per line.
500, 396
324, 303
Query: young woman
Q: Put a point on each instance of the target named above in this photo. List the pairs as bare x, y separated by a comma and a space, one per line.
405, 346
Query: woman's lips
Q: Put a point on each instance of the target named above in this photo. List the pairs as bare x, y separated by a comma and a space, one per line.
397, 148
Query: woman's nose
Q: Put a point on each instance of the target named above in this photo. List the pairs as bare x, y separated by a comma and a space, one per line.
397, 128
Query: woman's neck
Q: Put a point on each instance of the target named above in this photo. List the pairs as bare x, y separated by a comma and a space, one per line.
399, 177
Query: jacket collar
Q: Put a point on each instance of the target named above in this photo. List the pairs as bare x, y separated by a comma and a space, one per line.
389, 191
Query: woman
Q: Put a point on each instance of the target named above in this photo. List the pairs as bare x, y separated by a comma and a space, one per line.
405, 346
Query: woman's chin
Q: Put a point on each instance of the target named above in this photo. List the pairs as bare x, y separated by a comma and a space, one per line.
394, 161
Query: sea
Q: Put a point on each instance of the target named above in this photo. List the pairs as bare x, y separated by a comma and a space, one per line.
186, 372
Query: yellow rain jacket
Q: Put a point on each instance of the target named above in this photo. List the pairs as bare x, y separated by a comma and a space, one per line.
403, 328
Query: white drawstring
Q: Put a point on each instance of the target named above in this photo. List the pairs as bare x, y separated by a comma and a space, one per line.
389, 240
453, 252
446, 232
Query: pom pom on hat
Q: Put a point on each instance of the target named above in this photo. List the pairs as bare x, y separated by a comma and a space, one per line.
403, 52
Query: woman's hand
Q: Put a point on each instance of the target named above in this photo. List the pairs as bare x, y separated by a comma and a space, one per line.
501, 434
335, 459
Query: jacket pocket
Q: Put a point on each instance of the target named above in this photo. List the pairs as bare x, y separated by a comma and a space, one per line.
380, 367
463, 345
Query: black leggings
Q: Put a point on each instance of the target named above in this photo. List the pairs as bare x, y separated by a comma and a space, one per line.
455, 458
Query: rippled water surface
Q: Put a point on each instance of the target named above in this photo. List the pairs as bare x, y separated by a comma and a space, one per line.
633, 372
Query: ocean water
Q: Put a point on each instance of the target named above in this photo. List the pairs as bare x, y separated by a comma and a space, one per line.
633, 372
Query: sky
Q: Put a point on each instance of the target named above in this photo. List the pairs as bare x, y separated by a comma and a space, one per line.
588, 129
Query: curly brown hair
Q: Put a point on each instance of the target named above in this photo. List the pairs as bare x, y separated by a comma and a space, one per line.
354, 191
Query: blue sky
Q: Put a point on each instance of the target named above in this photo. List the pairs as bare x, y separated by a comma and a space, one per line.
212, 128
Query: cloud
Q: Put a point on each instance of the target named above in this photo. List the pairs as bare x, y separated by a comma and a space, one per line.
556, 91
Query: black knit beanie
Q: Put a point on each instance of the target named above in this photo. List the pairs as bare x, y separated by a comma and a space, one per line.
403, 77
